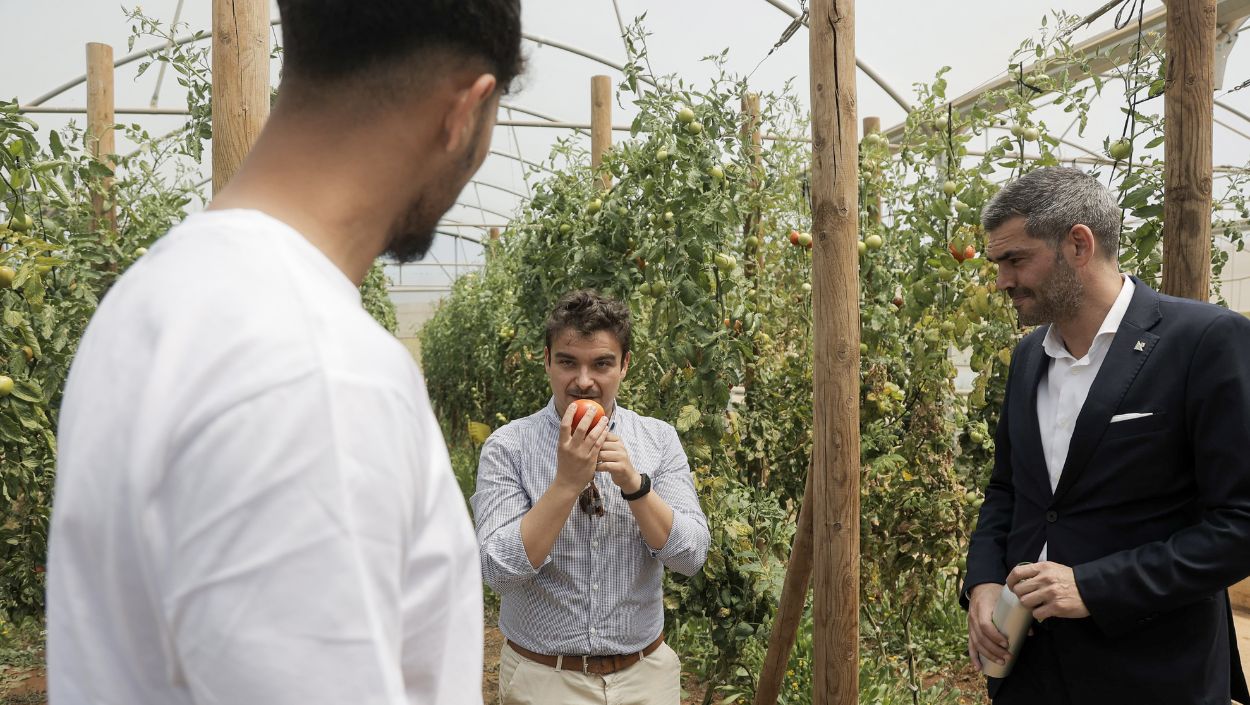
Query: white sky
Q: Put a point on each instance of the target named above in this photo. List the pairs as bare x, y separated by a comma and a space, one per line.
905, 41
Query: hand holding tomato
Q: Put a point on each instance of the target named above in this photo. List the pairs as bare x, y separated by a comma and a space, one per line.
581, 436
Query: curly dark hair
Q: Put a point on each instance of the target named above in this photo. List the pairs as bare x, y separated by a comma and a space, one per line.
588, 312
340, 41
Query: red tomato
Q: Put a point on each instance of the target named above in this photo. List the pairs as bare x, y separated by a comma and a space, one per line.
584, 405
794, 237
970, 252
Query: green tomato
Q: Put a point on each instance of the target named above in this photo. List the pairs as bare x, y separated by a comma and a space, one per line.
694, 128
863, 248
874, 241
949, 188
668, 216
1031, 134
661, 155
717, 173
6, 385
595, 205
1120, 149
685, 115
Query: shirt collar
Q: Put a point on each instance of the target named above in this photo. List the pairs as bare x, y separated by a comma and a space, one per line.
1053, 344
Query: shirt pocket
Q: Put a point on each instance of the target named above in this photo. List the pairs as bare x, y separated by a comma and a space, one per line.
621, 521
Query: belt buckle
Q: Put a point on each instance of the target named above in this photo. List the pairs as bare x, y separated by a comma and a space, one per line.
585, 664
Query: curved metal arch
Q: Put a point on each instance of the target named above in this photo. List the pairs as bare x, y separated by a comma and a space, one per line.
202, 35
473, 207
523, 161
583, 53
868, 70
498, 188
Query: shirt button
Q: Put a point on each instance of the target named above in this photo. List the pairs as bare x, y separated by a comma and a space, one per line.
594, 631
595, 586
594, 544
1052, 516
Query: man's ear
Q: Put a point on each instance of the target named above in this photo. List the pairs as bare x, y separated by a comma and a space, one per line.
625, 364
468, 108
1083, 243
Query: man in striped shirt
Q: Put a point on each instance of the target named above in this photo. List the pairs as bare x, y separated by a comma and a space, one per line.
577, 523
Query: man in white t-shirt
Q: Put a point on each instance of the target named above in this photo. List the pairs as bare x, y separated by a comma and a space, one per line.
254, 502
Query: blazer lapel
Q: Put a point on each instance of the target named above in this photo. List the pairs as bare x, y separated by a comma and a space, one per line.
1033, 370
1129, 350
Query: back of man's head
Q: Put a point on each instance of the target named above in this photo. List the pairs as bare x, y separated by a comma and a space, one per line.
367, 50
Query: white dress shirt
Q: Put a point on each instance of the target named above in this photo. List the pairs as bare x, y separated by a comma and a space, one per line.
254, 502
1062, 393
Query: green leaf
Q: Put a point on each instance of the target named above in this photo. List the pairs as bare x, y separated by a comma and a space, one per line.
687, 418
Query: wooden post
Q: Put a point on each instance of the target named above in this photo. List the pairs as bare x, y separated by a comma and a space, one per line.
600, 124
100, 120
240, 82
753, 257
754, 225
873, 125
1187, 110
790, 606
492, 242
835, 370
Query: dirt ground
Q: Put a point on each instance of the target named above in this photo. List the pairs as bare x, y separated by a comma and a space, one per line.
28, 685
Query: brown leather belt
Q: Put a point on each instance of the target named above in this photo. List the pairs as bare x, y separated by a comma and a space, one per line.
598, 665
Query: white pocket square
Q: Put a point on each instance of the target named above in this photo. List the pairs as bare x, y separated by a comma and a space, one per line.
1127, 417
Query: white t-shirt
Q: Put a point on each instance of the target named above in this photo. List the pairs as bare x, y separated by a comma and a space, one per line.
254, 503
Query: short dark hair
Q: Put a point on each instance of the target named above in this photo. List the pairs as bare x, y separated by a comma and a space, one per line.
588, 312
1053, 200
333, 40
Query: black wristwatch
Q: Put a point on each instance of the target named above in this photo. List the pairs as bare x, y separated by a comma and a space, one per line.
642, 490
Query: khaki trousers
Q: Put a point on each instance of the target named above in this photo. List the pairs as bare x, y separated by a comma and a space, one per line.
655, 680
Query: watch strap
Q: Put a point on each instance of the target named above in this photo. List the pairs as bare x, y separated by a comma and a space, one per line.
642, 490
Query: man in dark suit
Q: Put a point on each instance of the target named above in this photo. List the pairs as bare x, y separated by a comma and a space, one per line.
1121, 471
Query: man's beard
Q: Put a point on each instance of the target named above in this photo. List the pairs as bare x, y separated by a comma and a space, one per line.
413, 231
1057, 299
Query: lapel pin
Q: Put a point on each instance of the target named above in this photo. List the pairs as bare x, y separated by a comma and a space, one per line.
1140, 346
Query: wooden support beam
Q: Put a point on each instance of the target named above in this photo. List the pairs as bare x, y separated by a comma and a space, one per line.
1106, 51
835, 370
1187, 116
790, 606
240, 82
753, 249
600, 125
101, 141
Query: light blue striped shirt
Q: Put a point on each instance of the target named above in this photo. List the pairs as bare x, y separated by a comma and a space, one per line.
599, 590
